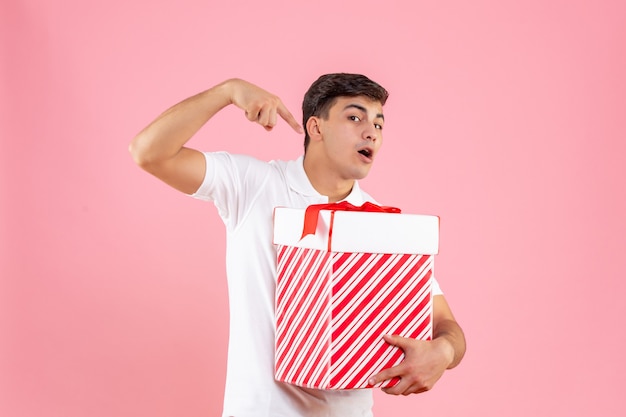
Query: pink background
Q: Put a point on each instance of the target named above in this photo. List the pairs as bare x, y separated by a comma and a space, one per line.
507, 119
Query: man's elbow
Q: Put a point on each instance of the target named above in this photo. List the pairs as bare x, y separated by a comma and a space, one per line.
141, 154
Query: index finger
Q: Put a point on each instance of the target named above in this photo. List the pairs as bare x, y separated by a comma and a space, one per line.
385, 375
288, 117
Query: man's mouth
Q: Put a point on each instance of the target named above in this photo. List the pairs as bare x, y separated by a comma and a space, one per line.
366, 152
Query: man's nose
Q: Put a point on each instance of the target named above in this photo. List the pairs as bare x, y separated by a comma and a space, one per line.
371, 133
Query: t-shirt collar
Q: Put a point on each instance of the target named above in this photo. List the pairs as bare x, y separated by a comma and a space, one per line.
299, 182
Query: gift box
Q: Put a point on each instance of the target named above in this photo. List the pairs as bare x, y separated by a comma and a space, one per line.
346, 276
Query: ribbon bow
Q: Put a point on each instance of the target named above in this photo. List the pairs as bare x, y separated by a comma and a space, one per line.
311, 215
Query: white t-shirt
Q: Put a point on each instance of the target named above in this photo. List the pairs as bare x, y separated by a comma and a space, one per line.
245, 191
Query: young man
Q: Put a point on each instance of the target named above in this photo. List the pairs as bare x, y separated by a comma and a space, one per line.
343, 125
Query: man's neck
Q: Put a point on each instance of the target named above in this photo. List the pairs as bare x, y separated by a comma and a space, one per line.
327, 184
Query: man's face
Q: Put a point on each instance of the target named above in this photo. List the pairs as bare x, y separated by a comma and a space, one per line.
352, 135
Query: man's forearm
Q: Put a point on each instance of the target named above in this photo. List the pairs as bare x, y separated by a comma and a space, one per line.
451, 332
167, 134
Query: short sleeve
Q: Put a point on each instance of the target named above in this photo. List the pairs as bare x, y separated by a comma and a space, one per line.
204, 191
231, 182
436, 289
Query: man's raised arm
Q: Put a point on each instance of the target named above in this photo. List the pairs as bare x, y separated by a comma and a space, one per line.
160, 147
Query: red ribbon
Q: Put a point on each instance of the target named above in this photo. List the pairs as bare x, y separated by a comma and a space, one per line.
311, 215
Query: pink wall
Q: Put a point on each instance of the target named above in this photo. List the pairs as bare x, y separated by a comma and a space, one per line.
507, 119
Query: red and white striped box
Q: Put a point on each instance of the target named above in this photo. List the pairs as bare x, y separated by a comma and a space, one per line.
338, 291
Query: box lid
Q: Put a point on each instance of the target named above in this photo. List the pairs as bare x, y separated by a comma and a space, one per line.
357, 231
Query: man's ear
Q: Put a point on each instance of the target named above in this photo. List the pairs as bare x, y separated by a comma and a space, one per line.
313, 127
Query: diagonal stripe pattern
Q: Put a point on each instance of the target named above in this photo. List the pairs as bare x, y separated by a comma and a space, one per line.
332, 309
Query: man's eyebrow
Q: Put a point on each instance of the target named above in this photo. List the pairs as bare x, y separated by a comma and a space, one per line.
363, 109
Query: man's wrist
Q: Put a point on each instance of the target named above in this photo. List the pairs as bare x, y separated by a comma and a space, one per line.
446, 347
220, 95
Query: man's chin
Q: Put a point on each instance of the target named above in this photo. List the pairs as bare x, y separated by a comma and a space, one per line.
360, 174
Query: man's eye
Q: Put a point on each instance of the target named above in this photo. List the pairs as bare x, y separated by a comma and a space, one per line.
355, 118
379, 127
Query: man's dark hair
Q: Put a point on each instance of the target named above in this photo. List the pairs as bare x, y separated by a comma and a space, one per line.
326, 89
